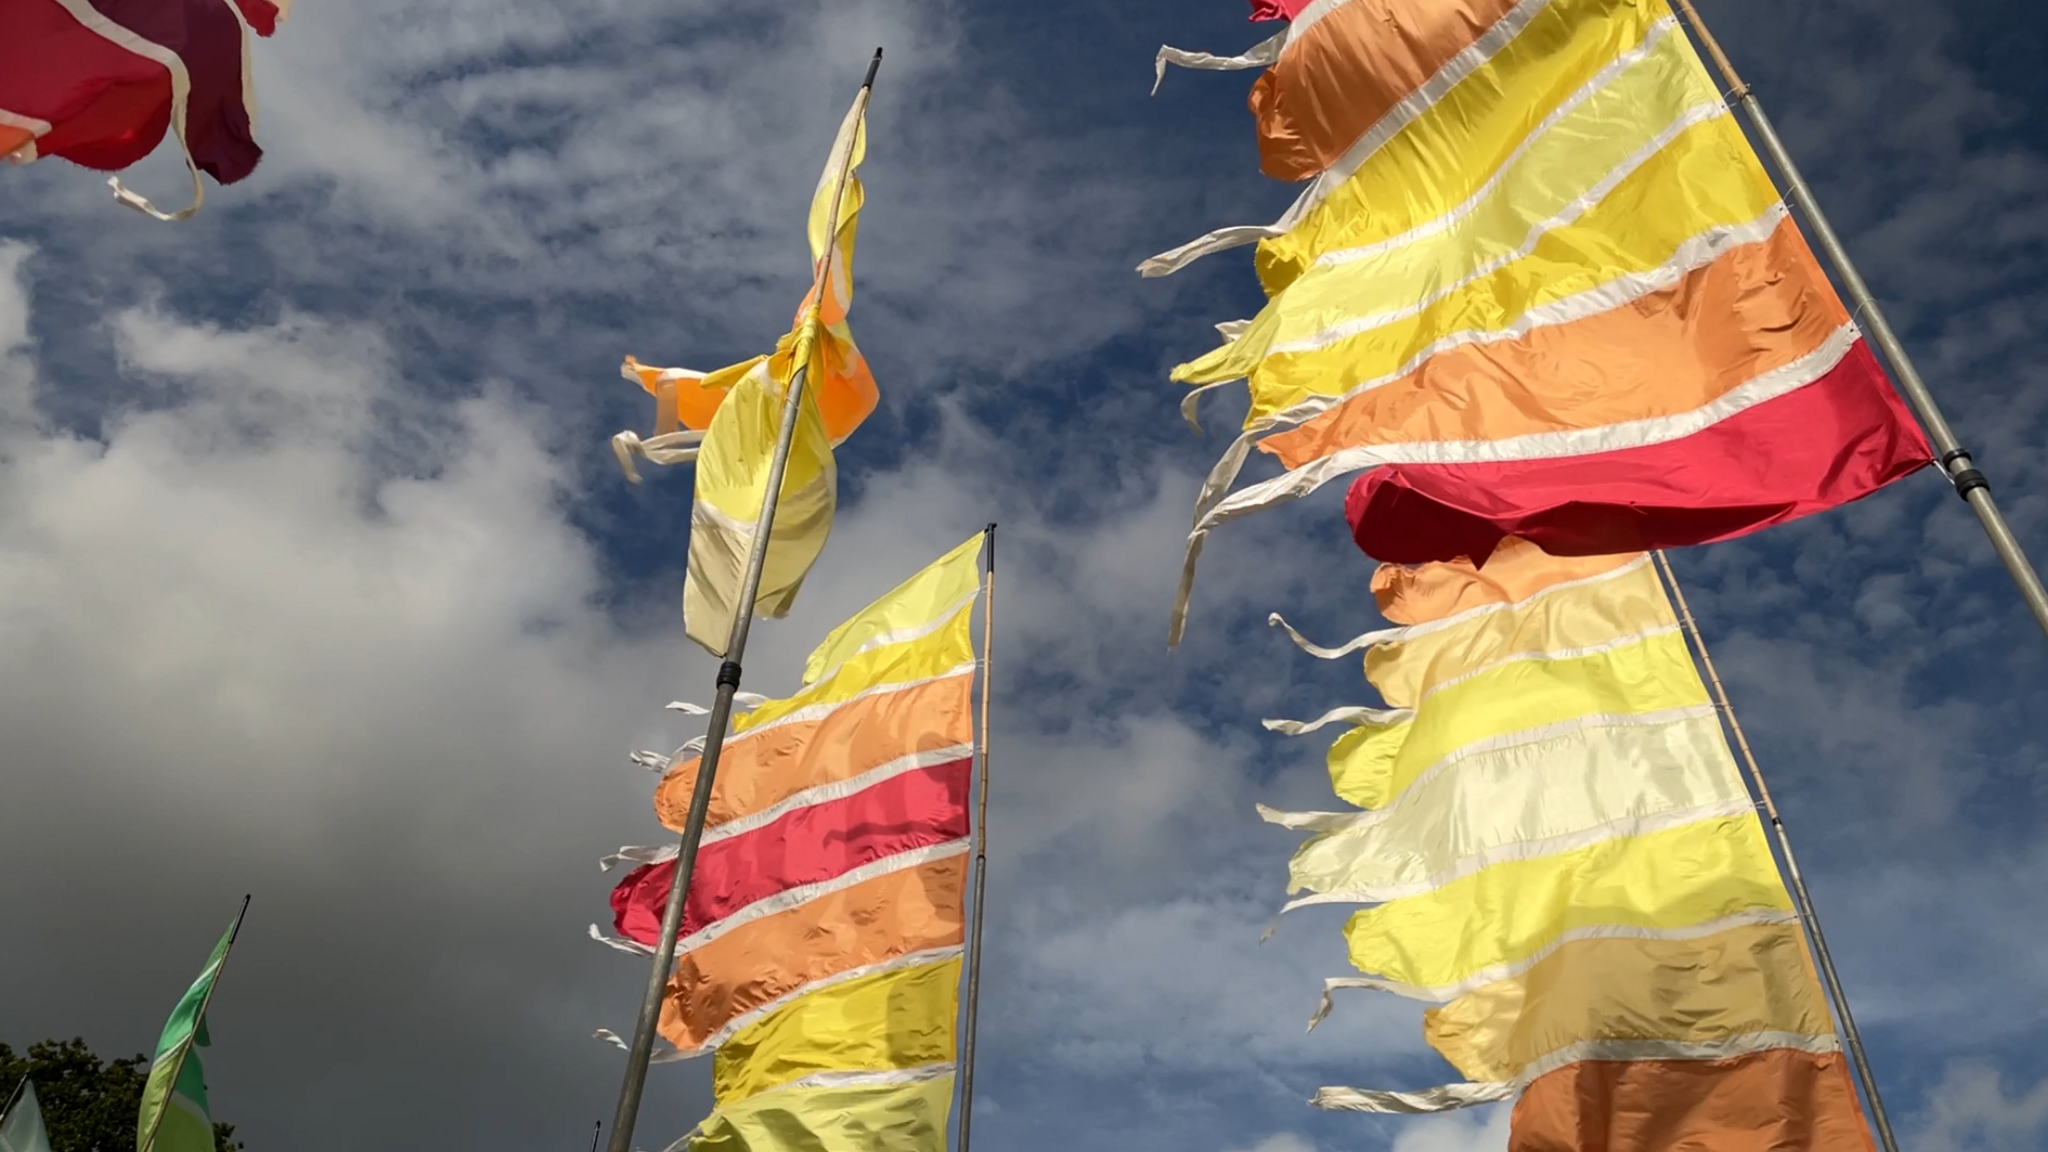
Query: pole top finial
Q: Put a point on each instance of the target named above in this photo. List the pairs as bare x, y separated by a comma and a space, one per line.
874, 66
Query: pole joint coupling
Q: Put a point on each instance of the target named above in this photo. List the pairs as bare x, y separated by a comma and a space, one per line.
729, 674
1966, 479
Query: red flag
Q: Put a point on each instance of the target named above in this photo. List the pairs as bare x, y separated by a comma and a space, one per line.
1277, 9
97, 82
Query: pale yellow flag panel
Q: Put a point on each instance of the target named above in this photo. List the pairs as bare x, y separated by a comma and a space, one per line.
910, 1116
910, 610
1676, 878
1746, 979
1528, 799
1576, 616
1510, 702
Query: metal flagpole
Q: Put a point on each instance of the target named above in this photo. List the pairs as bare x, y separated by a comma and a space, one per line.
1969, 483
594, 1130
988, 639
642, 1046
1830, 978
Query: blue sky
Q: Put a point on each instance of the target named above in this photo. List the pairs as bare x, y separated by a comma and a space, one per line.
317, 580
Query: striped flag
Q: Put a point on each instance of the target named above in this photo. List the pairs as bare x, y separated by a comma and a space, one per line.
1539, 285
97, 82
821, 945
175, 1116
1557, 854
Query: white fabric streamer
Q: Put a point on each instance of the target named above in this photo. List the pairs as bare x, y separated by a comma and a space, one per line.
638, 854
1355, 715
661, 1055
671, 448
1443, 1098
1260, 55
1354, 644
629, 947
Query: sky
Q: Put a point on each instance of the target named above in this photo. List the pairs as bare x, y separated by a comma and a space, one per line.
318, 581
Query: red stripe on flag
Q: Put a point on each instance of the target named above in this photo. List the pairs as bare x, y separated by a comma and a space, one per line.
806, 846
107, 107
207, 36
1837, 439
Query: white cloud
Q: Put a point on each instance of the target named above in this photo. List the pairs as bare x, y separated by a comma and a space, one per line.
1971, 1111
1281, 1142
1483, 1130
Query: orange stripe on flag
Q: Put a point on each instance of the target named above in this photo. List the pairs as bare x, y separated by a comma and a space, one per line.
1776, 1099
1339, 76
763, 767
904, 912
1516, 571
1756, 309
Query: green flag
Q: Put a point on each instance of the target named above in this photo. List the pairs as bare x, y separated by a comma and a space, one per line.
21, 1126
175, 1117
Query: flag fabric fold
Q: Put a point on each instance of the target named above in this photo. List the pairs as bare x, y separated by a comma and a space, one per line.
1538, 285
1556, 851
21, 1125
98, 82
823, 932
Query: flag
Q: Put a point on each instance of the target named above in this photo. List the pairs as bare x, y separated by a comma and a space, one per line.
731, 423
21, 1126
1557, 853
1539, 285
822, 934
175, 1116
97, 82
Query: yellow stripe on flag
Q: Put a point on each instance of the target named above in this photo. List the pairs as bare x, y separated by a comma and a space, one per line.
1337, 327
891, 1020
909, 611
1373, 763
1753, 978
1676, 878
938, 652
904, 1117
1567, 54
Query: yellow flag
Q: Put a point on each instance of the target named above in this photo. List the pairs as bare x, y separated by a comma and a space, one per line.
738, 446
912, 609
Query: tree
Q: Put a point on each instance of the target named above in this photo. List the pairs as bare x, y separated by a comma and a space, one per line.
88, 1106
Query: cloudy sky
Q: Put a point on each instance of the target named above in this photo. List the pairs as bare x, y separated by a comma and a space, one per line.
317, 580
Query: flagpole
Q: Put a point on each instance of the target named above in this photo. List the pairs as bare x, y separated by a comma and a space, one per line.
1956, 463
642, 1046
205, 1002
1831, 979
988, 639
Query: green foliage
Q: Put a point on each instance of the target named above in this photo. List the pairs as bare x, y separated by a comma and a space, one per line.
88, 1106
